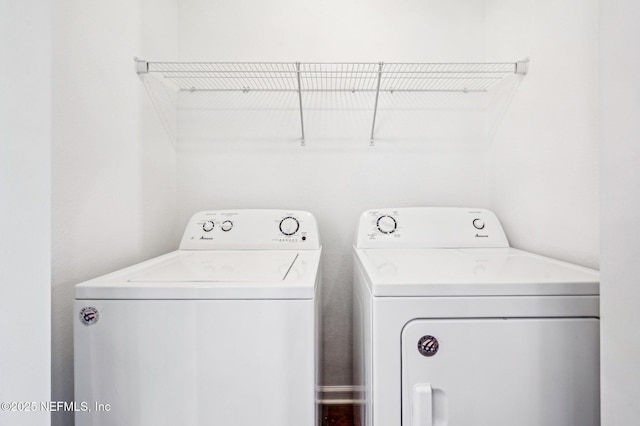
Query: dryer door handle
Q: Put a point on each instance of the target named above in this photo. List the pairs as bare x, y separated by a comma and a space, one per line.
422, 405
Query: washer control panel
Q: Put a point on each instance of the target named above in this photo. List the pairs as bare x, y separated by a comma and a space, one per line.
251, 229
430, 227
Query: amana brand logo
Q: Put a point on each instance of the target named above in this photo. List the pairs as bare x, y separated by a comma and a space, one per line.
481, 236
89, 315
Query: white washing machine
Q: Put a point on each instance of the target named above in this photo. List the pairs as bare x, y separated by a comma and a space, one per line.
220, 332
455, 328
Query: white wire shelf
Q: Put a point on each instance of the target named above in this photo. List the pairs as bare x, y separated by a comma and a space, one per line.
303, 77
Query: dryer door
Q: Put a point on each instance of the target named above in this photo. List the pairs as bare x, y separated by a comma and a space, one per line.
501, 372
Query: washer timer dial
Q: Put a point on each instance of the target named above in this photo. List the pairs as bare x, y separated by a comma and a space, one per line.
226, 225
386, 224
289, 225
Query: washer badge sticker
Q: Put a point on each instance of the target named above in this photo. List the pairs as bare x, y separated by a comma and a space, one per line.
428, 345
89, 315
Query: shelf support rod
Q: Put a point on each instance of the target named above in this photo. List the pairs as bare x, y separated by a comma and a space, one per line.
302, 143
375, 107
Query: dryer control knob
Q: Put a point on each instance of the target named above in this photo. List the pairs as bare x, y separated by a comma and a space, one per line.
386, 224
208, 226
289, 225
478, 223
226, 225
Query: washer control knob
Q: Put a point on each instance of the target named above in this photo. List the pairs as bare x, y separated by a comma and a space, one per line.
386, 224
289, 225
226, 225
478, 223
208, 226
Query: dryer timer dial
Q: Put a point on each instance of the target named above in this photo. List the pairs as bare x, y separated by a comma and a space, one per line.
386, 224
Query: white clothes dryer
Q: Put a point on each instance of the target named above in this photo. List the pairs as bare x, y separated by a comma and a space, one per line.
453, 327
222, 331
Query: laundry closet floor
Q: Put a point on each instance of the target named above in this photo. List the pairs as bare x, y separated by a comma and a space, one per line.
340, 415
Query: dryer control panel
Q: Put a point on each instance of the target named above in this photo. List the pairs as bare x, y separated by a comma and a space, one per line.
430, 227
251, 229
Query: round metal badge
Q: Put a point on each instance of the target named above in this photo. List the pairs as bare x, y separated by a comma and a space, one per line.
428, 345
89, 315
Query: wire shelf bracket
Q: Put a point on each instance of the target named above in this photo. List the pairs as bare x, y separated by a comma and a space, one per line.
306, 77
375, 107
142, 67
300, 99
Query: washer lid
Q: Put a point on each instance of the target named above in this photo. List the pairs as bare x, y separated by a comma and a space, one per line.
212, 274
472, 272
222, 266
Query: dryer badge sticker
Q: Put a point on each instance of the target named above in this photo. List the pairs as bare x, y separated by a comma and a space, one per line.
89, 315
428, 345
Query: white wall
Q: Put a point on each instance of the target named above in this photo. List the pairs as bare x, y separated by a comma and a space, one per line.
542, 163
114, 164
25, 218
250, 157
620, 201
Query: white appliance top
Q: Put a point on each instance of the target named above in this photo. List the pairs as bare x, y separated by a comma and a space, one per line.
473, 272
242, 254
230, 266
453, 261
